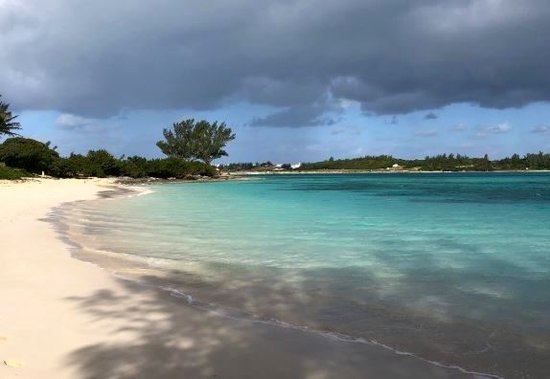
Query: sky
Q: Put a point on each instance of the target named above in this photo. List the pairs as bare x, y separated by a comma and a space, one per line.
297, 80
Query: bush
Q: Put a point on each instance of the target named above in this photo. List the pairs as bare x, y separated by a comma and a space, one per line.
65, 167
76, 165
11, 173
35, 157
103, 163
28, 154
99, 163
134, 167
177, 168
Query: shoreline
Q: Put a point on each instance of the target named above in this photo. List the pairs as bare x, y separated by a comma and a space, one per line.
389, 172
65, 318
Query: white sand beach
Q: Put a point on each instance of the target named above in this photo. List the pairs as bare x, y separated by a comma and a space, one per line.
38, 325
64, 318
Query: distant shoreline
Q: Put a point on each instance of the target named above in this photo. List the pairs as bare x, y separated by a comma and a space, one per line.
352, 171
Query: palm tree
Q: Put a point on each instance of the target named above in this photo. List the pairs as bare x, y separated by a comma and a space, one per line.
7, 120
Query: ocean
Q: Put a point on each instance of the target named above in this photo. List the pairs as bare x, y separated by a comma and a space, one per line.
451, 267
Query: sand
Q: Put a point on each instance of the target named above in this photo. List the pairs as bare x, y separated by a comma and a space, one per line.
64, 318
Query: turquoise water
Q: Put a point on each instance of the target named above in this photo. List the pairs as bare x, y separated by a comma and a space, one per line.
452, 267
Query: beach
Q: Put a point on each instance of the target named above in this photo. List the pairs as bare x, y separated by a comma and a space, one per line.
65, 318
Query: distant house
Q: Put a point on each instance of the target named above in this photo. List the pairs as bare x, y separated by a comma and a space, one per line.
296, 165
395, 167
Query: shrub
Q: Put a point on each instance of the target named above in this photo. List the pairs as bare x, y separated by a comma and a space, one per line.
28, 154
77, 165
135, 167
99, 163
177, 168
103, 163
11, 173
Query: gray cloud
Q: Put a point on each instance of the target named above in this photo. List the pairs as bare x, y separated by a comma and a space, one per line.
325, 112
426, 133
495, 129
95, 59
306, 115
541, 129
347, 130
459, 128
71, 122
431, 116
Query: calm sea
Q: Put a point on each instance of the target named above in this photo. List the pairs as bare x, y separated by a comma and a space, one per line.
454, 268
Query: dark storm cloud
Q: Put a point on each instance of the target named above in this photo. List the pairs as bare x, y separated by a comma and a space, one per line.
95, 59
323, 112
305, 115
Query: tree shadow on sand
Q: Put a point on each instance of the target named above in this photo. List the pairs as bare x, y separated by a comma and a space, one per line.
155, 335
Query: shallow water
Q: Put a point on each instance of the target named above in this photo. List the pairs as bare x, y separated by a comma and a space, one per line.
451, 267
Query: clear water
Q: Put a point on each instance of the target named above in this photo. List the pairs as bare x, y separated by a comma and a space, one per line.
453, 267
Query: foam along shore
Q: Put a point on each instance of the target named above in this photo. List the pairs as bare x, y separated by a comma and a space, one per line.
65, 318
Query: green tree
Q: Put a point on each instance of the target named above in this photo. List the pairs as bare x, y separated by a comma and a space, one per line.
105, 163
28, 154
135, 167
196, 140
7, 120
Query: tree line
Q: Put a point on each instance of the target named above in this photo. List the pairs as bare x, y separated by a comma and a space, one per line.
190, 147
441, 162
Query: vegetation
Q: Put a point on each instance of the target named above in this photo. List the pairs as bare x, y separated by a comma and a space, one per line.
28, 154
443, 162
7, 120
364, 163
190, 147
11, 173
232, 167
196, 140
23, 156
100, 163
